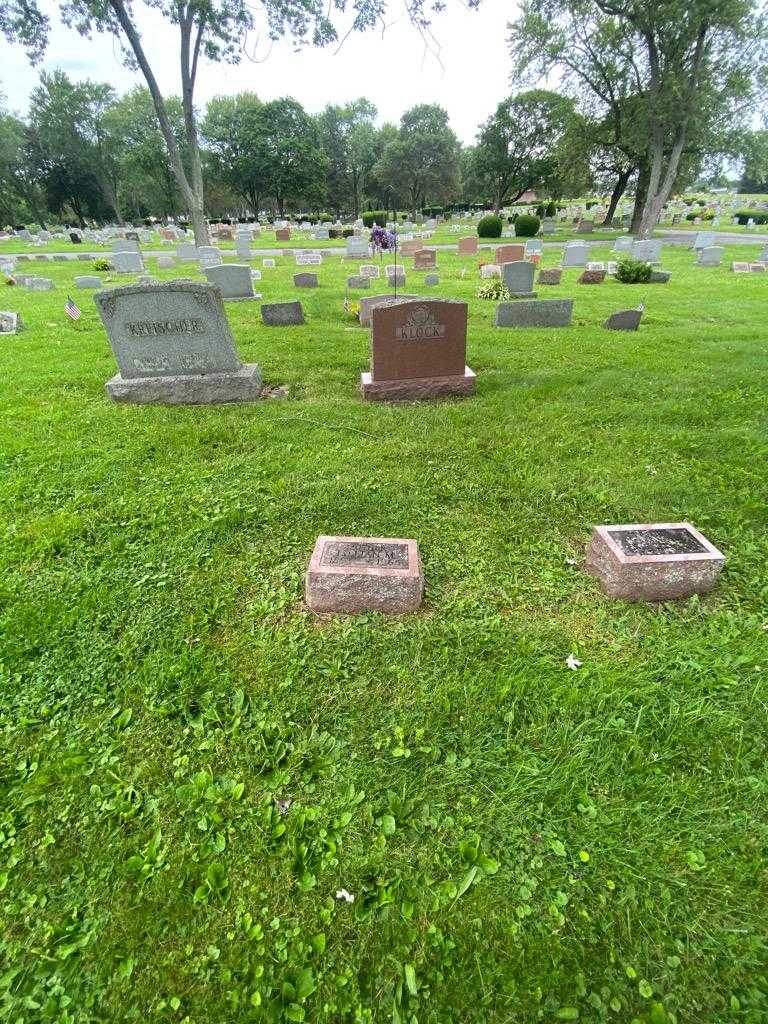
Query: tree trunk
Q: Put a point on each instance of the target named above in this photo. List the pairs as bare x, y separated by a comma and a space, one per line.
618, 191
188, 74
641, 192
193, 202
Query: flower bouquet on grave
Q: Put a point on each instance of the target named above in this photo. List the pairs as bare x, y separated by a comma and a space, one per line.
382, 240
494, 289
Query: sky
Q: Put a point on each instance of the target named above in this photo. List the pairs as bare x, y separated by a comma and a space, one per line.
465, 68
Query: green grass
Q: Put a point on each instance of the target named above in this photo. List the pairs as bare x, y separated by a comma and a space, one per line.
523, 842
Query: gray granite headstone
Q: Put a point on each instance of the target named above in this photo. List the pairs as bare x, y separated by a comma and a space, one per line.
40, 284
659, 276
127, 262
518, 277
173, 345
234, 280
369, 302
535, 313
87, 282
575, 255
10, 323
624, 320
125, 245
85, 257
165, 262
282, 314
186, 251
209, 256
710, 256
359, 283
306, 280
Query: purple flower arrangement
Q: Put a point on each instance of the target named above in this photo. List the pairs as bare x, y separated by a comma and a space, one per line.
381, 239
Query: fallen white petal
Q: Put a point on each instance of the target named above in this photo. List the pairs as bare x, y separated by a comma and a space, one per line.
573, 663
344, 894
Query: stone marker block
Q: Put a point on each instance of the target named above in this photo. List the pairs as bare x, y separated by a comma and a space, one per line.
87, 282
353, 575
518, 278
512, 253
10, 322
550, 275
268, 262
659, 276
591, 277
535, 313
653, 561
624, 320
233, 279
282, 314
40, 284
359, 283
431, 280
305, 280
166, 262
84, 257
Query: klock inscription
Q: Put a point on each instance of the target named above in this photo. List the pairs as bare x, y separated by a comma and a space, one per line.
420, 326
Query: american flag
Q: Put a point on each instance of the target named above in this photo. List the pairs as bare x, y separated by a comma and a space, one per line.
72, 311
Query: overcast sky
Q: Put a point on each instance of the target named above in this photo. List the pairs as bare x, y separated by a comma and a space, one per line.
467, 70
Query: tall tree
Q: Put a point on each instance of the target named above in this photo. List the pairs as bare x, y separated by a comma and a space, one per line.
683, 63
286, 153
422, 163
230, 129
517, 147
349, 139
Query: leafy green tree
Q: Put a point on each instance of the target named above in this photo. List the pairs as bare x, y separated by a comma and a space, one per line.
677, 69
74, 151
146, 182
230, 130
21, 197
349, 139
422, 163
754, 151
287, 155
517, 147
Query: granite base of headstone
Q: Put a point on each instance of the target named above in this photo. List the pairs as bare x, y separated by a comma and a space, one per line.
358, 283
653, 561
173, 346
354, 575
83, 283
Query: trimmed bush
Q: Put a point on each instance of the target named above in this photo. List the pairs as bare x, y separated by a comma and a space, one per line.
490, 226
102, 265
632, 271
34, 229
742, 216
551, 209
371, 217
527, 226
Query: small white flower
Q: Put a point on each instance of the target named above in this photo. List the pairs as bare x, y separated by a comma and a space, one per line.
765, 626
570, 561
652, 470
573, 663
344, 894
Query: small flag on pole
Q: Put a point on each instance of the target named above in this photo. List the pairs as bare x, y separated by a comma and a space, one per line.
72, 311
346, 304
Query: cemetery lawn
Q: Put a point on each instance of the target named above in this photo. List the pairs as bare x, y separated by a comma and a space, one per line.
523, 842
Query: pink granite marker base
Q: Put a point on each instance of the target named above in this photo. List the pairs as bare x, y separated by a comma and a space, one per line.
353, 575
417, 388
670, 574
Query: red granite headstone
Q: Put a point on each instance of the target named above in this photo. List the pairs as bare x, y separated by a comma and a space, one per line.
509, 253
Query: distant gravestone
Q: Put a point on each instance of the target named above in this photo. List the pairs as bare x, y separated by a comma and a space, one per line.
623, 243
308, 259
509, 254
126, 244
369, 270
518, 278
711, 256
75, 238
10, 323
127, 262
591, 277
358, 282
209, 256
490, 270
548, 227
173, 346
659, 277
425, 259
305, 280
186, 251
369, 302
283, 235
431, 280
82, 283
320, 234
535, 313
243, 248
165, 262
624, 320
550, 275
757, 268
739, 267
468, 246
282, 314
585, 227
40, 284
357, 248
704, 239
268, 262
233, 279
647, 249
418, 350
575, 255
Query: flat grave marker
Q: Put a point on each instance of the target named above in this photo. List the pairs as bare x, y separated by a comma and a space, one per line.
352, 575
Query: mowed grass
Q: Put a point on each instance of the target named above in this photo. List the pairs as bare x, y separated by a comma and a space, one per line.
193, 766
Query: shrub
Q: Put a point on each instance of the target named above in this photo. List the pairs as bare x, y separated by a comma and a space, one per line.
632, 271
490, 226
372, 217
541, 210
493, 289
102, 265
323, 217
347, 232
742, 216
551, 209
527, 226
432, 211
34, 229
